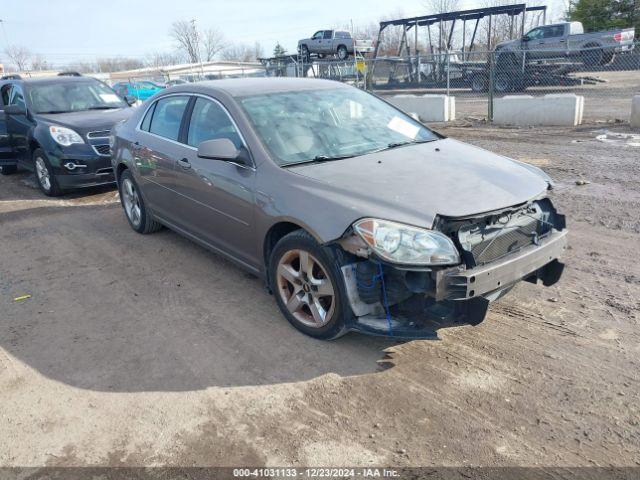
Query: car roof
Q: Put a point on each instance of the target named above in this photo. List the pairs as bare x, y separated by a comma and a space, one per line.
52, 80
239, 87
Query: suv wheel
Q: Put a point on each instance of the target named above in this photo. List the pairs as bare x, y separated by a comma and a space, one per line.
44, 174
308, 287
134, 207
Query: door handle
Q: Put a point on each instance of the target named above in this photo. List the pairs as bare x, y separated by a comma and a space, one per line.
184, 163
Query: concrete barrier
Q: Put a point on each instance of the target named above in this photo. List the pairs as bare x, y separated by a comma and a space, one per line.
429, 108
560, 109
635, 112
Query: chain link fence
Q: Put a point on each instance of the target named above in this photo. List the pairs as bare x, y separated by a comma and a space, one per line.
607, 78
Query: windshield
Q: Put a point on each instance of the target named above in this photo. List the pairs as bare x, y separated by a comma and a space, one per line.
315, 125
72, 97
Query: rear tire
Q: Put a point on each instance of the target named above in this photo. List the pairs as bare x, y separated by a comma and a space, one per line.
9, 169
593, 56
307, 282
134, 207
479, 83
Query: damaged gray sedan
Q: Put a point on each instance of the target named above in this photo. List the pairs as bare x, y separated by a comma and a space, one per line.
355, 215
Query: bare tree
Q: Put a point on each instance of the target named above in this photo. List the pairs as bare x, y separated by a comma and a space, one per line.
19, 56
163, 59
185, 34
258, 51
237, 52
38, 62
444, 29
212, 44
118, 64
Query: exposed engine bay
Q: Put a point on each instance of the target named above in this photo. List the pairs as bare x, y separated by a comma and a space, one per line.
497, 250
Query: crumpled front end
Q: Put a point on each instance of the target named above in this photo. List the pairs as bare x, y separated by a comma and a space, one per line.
497, 251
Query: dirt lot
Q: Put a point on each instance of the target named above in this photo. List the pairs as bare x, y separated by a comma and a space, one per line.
152, 351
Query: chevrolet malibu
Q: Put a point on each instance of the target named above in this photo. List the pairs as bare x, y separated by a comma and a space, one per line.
356, 216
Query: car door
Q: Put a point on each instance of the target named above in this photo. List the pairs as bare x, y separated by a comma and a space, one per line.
327, 42
554, 42
18, 126
156, 151
535, 42
216, 197
6, 151
315, 45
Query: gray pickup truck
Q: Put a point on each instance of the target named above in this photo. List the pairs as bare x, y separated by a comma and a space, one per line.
566, 40
333, 42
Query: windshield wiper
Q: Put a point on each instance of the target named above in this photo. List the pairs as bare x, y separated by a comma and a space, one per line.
319, 159
102, 107
393, 145
55, 111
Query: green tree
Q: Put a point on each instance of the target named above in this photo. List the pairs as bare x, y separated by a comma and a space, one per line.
279, 50
605, 14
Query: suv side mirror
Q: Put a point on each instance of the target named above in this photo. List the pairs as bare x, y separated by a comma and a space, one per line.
222, 149
526, 38
15, 110
130, 99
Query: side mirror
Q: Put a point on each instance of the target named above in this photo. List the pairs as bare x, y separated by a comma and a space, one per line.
526, 38
15, 110
222, 149
130, 99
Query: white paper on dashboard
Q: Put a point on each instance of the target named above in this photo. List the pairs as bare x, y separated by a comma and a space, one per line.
109, 97
403, 127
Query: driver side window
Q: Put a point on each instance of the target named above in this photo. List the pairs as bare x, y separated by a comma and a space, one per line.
16, 97
317, 36
535, 34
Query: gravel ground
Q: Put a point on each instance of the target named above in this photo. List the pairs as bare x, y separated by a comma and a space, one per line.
152, 351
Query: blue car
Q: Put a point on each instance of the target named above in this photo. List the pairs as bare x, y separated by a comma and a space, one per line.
140, 90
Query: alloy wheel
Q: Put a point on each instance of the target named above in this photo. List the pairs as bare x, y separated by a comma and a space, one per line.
305, 288
131, 202
43, 174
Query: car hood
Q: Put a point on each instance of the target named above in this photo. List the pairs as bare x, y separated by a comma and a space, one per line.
414, 184
88, 121
507, 43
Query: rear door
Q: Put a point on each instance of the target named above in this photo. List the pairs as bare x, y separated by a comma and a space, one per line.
327, 42
215, 196
6, 151
156, 152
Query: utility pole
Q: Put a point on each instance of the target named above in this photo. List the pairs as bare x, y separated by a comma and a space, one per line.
197, 46
4, 32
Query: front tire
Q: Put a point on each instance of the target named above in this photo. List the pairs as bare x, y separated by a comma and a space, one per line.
134, 207
45, 178
306, 280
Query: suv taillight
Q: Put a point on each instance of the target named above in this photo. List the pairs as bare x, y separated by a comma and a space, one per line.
618, 37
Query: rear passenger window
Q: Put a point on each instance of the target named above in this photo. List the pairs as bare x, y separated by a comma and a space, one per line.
209, 121
167, 117
147, 118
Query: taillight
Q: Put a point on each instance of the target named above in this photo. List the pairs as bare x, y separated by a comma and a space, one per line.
618, 37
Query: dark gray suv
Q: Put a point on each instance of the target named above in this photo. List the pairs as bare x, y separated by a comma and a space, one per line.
357, 216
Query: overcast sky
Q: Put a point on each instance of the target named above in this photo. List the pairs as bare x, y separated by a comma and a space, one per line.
68, 30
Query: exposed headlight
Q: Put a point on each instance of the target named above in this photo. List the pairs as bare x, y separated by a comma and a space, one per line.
404, 244
64, 136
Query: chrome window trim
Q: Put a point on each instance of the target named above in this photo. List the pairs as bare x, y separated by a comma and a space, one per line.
206, 97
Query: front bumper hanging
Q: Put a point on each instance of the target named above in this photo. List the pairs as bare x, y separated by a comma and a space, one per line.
457, 296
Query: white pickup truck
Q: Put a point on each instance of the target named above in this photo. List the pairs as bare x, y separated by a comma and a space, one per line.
566, 40
333, 42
